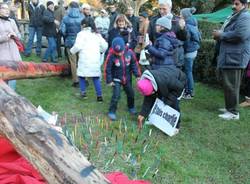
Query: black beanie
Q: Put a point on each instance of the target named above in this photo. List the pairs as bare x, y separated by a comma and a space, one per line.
49, 3
244, 1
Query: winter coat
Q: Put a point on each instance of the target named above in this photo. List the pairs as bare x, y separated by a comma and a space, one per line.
71, 25
49, 27
112, 18
127, 34
180, 34
119, 68
135, 23
193, 36
8, 48
90, 46
102, 24
235, 42
163, 50
170, 82
35, 14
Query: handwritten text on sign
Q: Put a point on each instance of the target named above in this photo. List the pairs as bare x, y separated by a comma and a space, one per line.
164, 117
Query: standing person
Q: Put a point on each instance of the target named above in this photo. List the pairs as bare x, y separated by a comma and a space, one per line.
178, 27
246, 103
112, 16
123, 28
90, 45
59, 14
70, 26
119, 64
141, 38
102, 23
35, 10
162, 51
133, 19
8, 48
234, 54
191, 46
49, 30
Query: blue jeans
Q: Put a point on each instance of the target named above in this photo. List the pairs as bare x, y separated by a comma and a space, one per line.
32, 32
117, 93
97, 84
51, 50
188, 65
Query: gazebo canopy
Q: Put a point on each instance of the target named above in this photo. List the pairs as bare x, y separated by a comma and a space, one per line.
215, 17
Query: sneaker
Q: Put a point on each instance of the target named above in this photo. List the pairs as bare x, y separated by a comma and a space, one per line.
112, 116
132, 111
187, 96
44, 61
99, 99
26, 55
230, 116
223, 110
84, 96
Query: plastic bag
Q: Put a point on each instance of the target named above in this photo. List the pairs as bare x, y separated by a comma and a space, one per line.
143, 59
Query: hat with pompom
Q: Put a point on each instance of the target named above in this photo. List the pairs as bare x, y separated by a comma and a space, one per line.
145, 87
188, 12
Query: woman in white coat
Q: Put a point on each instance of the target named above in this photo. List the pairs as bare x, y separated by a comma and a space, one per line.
89, 45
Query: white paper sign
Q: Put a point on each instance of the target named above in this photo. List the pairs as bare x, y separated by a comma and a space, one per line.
164, 117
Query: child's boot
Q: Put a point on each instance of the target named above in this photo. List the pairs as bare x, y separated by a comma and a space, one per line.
132, 111
112, 116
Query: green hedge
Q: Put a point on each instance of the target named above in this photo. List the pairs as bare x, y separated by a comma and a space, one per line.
206, 28
205, 66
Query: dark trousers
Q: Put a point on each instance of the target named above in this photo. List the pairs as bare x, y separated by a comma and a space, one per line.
117, 93
58, 44
231, 79
248, 87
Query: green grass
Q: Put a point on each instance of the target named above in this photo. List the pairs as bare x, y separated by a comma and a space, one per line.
207, 149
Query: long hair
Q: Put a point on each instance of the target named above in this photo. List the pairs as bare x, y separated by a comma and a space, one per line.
89, 22
124, 18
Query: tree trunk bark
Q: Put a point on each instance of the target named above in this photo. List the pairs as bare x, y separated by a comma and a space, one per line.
46, 149
24, 70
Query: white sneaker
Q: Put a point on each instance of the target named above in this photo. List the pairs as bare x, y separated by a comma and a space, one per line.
223, 110
229, 116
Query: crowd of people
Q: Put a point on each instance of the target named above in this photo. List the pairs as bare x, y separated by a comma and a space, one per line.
170, 41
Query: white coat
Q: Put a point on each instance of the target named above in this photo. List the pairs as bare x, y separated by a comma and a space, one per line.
90, 46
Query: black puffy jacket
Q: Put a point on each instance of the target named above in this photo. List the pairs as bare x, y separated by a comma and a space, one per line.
35, 14
171, 82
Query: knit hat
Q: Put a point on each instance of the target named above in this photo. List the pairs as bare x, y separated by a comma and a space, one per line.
73, 4
144, 14
244, 1
118, 44
169, 2
145, 87
187, 12
165, 21
50, 3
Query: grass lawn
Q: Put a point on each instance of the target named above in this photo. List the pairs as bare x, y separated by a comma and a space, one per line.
207, 149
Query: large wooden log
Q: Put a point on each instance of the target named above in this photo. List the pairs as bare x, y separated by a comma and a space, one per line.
24, 70
46, 149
